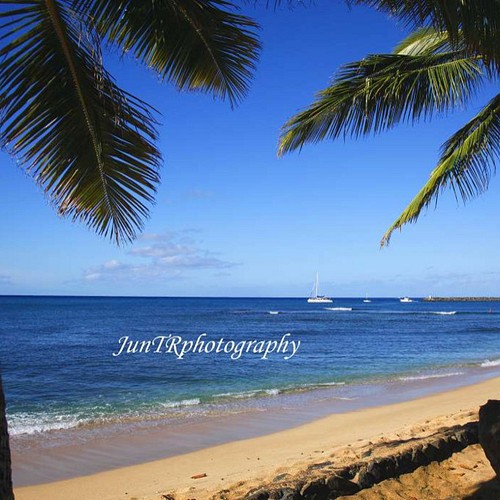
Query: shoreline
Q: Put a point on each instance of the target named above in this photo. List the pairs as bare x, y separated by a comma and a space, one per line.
253, 458
55, 455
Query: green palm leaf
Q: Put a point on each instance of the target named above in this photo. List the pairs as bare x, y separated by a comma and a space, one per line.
467, 164
381, 91
88, 143
476, 22
197, 44
426, 41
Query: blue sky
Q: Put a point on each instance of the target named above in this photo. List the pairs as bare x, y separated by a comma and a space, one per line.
232, 219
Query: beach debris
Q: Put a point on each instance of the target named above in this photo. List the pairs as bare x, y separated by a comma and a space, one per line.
199, 476
489, 432
167, 497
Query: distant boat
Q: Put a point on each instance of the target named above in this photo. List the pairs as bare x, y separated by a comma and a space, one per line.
405, 300
315, 298
366, 299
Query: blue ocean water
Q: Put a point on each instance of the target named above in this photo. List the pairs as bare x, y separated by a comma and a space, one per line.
59, 370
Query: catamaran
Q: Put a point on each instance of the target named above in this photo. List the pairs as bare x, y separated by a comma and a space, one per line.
315, 298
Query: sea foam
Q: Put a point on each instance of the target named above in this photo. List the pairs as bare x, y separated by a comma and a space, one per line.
432, 375
488, 363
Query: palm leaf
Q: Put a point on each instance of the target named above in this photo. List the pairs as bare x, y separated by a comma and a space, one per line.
466, 164
475, 22
88, 143
197, 44
381, 91
426, 41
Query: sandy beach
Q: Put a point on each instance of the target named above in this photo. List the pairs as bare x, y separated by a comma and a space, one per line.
239, 466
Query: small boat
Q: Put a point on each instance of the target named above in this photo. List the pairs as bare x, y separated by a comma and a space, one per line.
315, 298
366, 300
405, 300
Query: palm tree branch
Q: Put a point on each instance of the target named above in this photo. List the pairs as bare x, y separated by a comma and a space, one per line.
71, 61
471, 22
87, 142
380, 91
424, 41
466, 165
196, 44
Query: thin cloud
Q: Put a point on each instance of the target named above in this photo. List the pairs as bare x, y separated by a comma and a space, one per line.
198, 194
159, 256
5, 279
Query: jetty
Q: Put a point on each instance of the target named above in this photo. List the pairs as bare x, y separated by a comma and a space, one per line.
461, 299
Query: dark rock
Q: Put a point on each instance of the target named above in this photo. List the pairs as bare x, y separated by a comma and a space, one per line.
354, 469
257, 494
489, 432
381, 469
346, 472
376, 470
431, 452
341, 486
442, 447
473, 430
286, 494
365, 479
388, 465
462, 437
315, 490
455, 444
418, 457
468, 435
405, 463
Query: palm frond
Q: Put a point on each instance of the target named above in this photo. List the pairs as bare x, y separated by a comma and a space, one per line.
196, 44
467, 164
425, 41
88, 143
381, 91
475, 22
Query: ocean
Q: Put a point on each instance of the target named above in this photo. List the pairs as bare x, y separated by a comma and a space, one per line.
59, 371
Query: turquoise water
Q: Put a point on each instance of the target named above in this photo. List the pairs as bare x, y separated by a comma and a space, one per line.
59, 370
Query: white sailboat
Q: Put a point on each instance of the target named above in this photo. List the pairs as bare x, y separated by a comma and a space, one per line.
366, 300
405, 300
315, 298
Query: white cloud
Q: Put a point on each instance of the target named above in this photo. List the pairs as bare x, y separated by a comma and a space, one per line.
158, 256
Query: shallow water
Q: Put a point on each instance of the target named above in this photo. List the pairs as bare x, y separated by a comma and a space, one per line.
60, 373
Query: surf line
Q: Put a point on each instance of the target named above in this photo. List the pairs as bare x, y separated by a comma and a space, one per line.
176, 345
